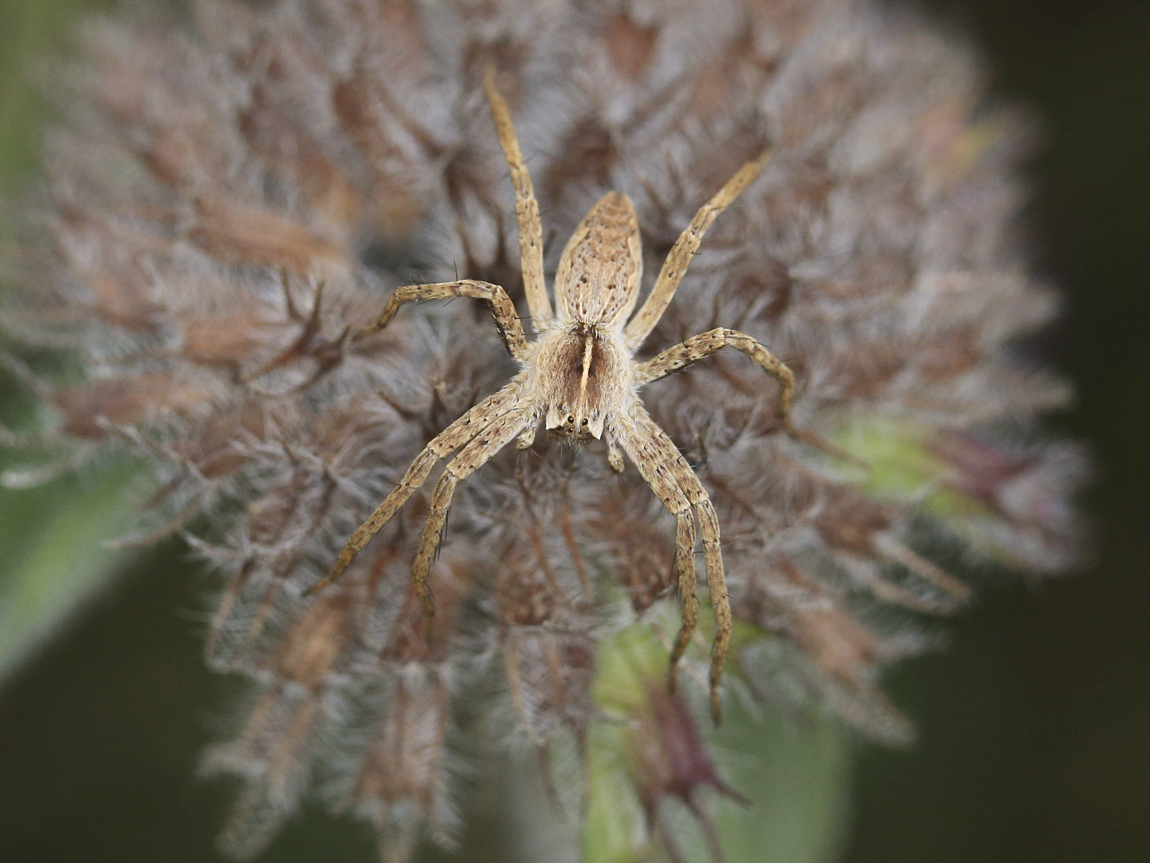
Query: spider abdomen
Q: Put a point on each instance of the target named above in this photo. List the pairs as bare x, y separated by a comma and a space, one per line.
599, 273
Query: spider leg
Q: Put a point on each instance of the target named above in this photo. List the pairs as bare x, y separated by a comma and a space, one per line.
703, 345
464, 429
489, 441
679, 258
526, 207
663, 467
716, 582
502, 309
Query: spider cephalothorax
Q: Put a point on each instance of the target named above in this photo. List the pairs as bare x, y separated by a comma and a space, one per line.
579, 379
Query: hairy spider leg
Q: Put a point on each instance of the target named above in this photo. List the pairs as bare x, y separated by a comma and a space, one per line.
703, 345
679, 258
716, 578
698, 498
469, 426
526, 208
502, 309
489, 441
670, 476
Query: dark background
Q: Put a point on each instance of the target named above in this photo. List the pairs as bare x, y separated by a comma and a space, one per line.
1034, 724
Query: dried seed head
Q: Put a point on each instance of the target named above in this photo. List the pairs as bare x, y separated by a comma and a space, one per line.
224, 204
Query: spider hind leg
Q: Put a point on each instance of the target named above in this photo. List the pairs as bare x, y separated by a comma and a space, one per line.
665, 469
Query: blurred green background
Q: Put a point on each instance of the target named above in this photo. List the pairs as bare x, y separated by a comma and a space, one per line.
1034, 724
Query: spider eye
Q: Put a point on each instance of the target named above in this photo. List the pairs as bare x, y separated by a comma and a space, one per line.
584, 421
570, 419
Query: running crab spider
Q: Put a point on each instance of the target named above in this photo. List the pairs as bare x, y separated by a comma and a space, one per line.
580, 379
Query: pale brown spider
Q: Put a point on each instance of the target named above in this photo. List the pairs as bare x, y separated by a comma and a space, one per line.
580, 378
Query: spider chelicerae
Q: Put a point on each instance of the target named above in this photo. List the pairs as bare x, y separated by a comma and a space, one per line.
580, 379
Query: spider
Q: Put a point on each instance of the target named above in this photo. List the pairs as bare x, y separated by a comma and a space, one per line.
579, 377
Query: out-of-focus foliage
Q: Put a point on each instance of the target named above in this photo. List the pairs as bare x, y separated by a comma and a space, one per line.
53, 554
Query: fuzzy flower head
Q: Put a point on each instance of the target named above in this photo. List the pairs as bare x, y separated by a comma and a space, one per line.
229, 198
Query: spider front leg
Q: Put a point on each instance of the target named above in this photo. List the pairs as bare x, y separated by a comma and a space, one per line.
703, 345
526, 207
473, 456
679, 258
469, 426
502, 309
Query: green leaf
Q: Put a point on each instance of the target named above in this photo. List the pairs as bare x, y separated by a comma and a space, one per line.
795, 771
28, 30
901, 466
53, 553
